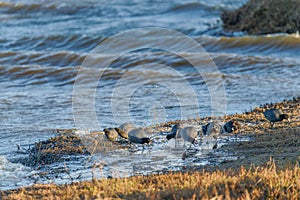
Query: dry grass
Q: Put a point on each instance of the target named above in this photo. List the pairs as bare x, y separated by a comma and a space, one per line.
283, 145
265, 182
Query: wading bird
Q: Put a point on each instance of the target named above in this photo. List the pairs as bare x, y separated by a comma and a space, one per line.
138, 136
111, 134
124, 129
275, 115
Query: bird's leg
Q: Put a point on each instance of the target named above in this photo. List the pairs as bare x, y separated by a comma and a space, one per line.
149, 149
149, 145
216, 144
143, 149
272, 125
195, 142
289, 122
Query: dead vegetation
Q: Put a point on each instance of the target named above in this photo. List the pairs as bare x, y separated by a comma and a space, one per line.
53, 150
261, 182
282, 145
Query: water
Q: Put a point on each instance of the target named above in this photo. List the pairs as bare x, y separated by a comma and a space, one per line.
44, 43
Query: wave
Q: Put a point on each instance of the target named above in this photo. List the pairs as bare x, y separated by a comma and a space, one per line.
83, 43
188, 7
37, 75
252, 44
13, 174
61, 67
58, 59
68, 8
53, 42
197, 6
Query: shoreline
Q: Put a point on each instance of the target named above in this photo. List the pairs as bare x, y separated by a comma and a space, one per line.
270, 149
255, 182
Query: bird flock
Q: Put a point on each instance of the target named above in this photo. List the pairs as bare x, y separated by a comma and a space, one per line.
187, 133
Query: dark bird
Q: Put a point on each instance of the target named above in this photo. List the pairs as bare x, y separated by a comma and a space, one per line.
229, 127
174, 132
111, 134
138, 136
124, 129
275, 115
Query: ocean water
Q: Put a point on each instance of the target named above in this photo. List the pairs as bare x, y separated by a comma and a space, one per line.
94, 64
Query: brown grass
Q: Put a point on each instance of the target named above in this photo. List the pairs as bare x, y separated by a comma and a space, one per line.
264, 182
282, 145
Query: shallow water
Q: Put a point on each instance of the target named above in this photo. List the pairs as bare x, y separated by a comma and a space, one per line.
123, 160
43, 44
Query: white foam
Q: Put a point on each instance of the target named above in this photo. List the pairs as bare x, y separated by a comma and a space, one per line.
14, 175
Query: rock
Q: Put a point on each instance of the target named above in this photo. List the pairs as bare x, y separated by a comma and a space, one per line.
264, 17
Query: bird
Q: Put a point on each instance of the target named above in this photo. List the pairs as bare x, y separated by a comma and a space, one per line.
189, 134
138, 136
212, 129
174, 132
275, 115
111, 134
124, 129
229, 127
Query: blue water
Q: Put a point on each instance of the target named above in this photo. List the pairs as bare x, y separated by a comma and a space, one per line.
43, 45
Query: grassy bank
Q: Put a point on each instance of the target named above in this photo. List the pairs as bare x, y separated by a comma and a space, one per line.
254, 183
